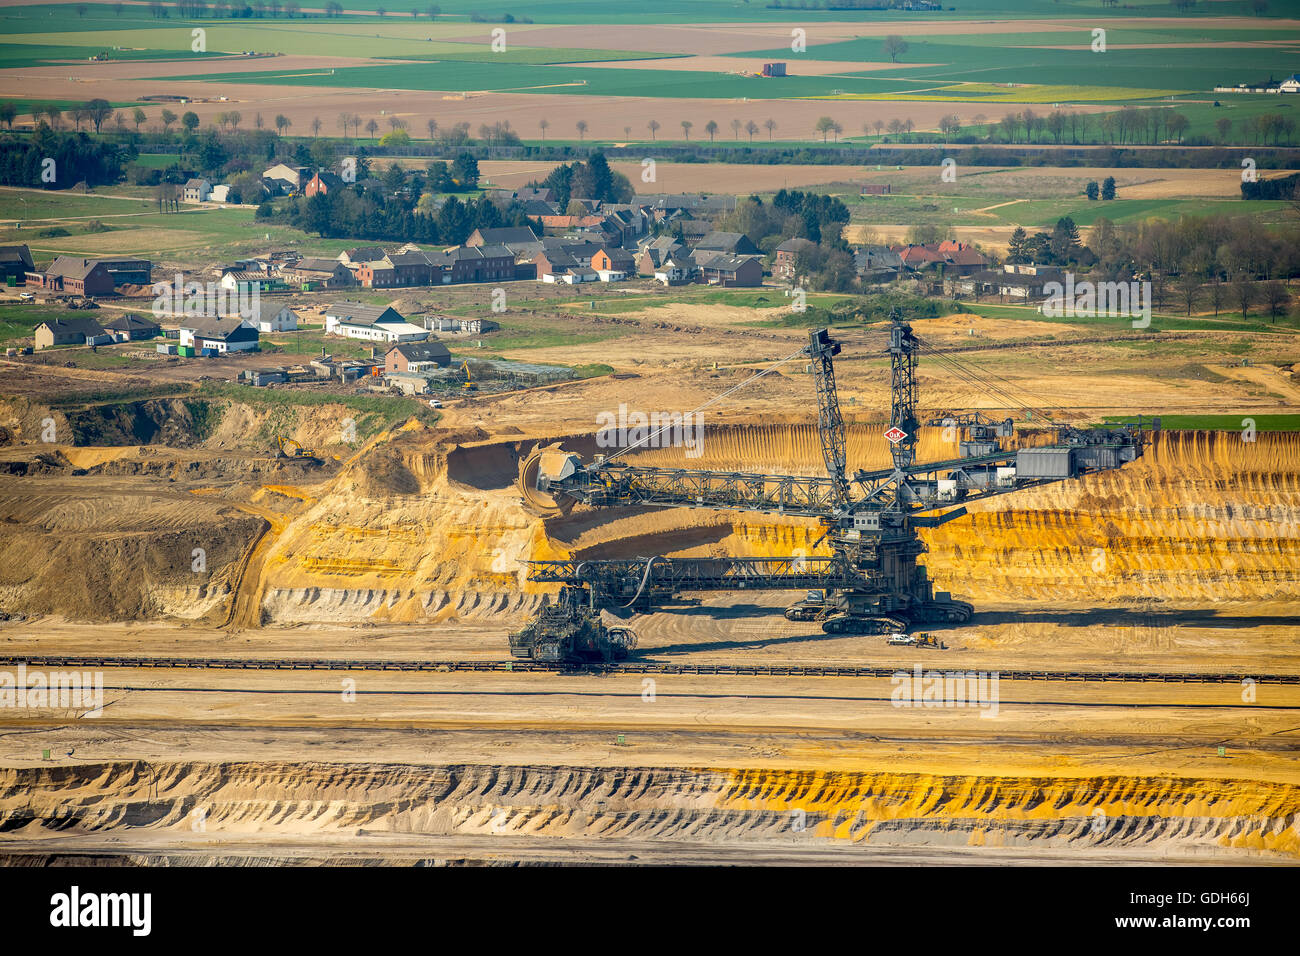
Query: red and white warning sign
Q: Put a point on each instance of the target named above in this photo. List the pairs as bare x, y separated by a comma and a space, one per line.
895, 434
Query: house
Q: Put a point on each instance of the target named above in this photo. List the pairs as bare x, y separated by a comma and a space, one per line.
917, 258
222, 335
506, 236
417, 356
692, 230
656, 252
732, 243
15, 263
360, 255
249, 280
274, 317
960, 258
130, 327
475, 264
676, 270
282, 178
876, 263
875, 189
70, 331
728, 270
786, 254
613, 263
312, 272
323, 183
406, 268
221, 193
372, 323
197, 190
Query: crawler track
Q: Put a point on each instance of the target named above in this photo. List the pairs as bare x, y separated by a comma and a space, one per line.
639, 667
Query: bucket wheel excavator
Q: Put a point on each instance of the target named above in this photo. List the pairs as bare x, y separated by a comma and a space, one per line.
870, 583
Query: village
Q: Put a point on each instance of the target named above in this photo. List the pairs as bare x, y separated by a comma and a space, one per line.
228, 309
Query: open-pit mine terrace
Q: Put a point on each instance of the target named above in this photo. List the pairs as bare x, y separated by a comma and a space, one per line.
408, 549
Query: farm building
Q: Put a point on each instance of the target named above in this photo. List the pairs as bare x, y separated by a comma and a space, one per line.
15, 263
77, 330
129, 327
372, 323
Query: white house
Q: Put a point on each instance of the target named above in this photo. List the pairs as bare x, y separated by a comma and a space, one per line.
275, 317
219, 193
1291, 84
249, 280
197, 190
222, 335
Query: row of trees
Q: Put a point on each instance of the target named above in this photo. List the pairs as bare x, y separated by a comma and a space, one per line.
194, 9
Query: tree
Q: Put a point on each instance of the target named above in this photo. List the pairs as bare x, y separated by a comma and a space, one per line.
711, 128
1108, 188
543, 124
190, 121
292, 8
1276, 298
949, 126
1018, 246
823, 126
735, 128
381, 11
1091, 190
582, 130
282, 123
769, 125
138, 117
235, 117
1223, 126
1243, 293
258, 121
894, 47
465, 171
8, 113
372, 127
168, 117
97, 111
433, 10
653, 127
1189, 289
686, 129
751, 128
316, 124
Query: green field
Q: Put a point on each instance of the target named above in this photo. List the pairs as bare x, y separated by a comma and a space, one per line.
1225, 423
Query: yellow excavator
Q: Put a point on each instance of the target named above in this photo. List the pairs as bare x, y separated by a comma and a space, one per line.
469, 385
292, 449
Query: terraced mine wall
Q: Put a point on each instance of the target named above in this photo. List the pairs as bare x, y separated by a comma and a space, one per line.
421, 533
328, 809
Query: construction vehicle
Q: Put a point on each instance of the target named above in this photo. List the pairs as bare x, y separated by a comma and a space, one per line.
871, 582
469, 385
571, 631
903, 639
294, 451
